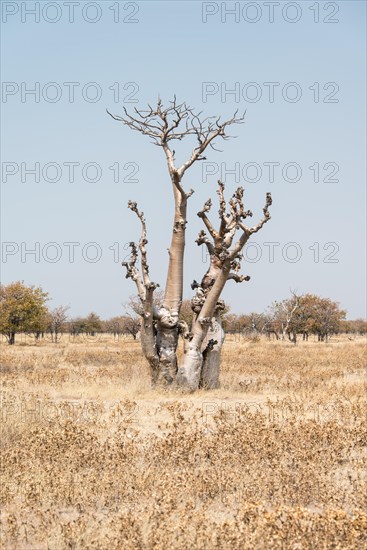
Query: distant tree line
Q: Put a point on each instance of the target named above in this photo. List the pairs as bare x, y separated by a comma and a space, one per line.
299, 315
23, 309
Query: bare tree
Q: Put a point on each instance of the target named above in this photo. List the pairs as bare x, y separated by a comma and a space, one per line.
133, 306
57, 320
254, 325
283, 315
161, 325
132, 326
115, 326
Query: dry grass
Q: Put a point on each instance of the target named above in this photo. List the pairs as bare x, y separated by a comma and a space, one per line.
92, 458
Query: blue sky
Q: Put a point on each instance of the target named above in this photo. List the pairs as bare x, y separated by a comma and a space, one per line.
171, 50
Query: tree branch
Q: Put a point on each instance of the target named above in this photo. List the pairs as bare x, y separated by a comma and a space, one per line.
238, 278
202, 214
132, 271
221, 258
144, 285
175, 122
203, 239
248, 231
206, 135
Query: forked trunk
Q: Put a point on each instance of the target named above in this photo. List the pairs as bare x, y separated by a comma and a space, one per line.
161, 327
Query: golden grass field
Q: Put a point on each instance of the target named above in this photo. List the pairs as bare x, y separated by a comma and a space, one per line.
93, 458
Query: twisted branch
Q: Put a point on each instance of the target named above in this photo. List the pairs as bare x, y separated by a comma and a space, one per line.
144, 285
230, 223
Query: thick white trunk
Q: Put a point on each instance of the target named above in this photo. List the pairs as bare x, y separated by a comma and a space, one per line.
174, 284
167, 326
190, 371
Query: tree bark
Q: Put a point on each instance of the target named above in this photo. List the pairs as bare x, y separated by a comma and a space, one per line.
174, 284
212, 348
168, 323
148, 336
189, 372
167, 342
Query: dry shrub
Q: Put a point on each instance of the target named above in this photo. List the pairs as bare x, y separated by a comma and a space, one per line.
92, 458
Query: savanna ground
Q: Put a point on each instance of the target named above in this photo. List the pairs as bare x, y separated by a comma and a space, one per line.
92, 458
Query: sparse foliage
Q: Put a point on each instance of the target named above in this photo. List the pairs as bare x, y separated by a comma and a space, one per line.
162, 325
115, 326
57, 321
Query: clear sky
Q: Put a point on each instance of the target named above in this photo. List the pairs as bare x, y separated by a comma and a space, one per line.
298, 68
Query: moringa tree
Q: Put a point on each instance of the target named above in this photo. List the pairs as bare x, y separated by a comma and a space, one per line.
161, 325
